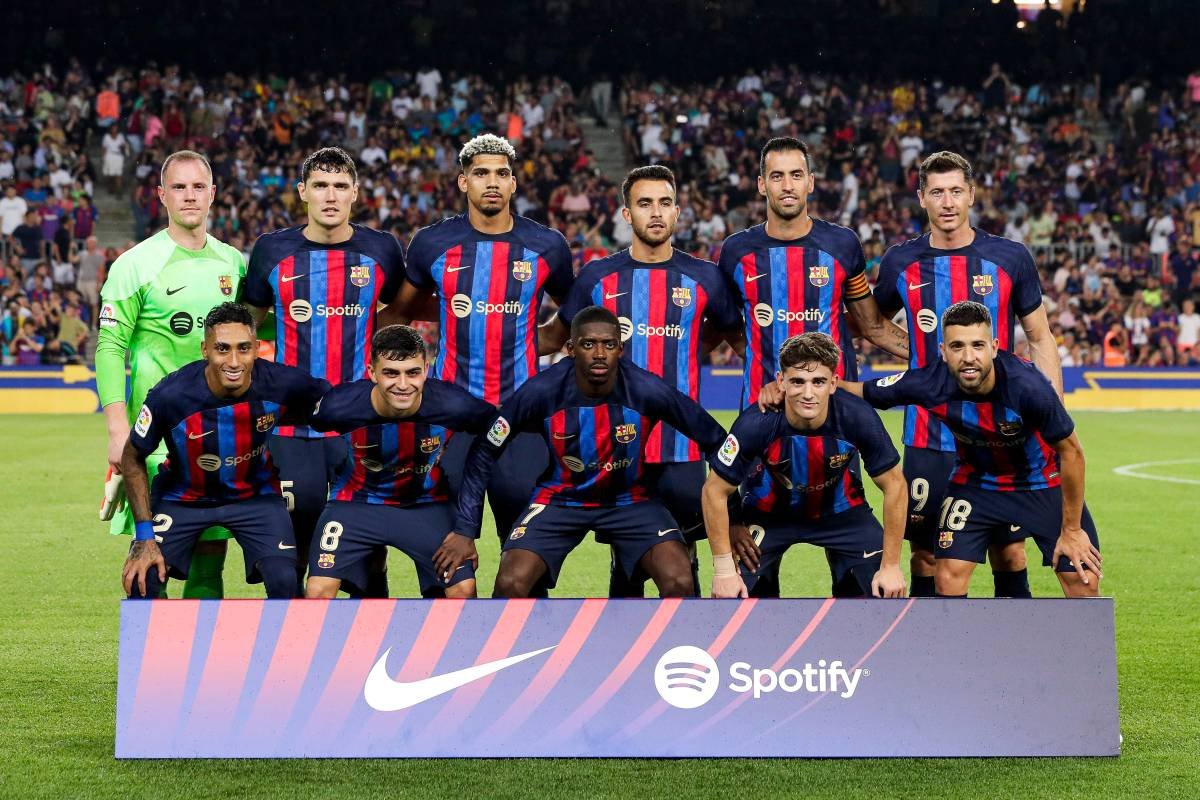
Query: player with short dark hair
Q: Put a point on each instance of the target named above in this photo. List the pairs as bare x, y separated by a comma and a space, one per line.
1019, 468
215, 416
799, 485
393, 491
489, 270
594, 410
794, 274
668, 304
951, 263
324, 281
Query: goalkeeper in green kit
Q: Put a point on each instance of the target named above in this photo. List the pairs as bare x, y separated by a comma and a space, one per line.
153, 306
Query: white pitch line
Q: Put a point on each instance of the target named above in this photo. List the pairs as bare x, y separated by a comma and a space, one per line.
1130, 471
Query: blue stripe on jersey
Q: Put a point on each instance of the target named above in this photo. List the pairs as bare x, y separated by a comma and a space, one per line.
840, 501
588, 452
264, 471
433, 430
389, 451
362, 342
799, 463
684, 350
179, 437
318, 294
528, 299
437, 270
481, 284
641, 312
226, 444
779, 299
991, 300
944, 297
634, 448
826, 303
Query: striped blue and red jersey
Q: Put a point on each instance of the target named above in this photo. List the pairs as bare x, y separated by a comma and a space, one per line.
925, 281
489, 290
597, 444
1003, 438
394, 461
217, 446
793, 286
662, 307
324, 298
784, 470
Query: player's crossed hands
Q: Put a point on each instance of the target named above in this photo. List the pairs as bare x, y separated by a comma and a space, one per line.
1076, 547
455, 551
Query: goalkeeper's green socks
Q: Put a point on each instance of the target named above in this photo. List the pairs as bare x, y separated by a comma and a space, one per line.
205, 580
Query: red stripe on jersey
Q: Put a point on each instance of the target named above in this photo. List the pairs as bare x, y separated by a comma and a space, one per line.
694, 337
1050, 472
816, 476
335, 297
656, 345
987, 424
558, 443
194, 427
850, 490
772, 455
796, 281
959, 278
494, 347
358, 473
603, 442
754, 342
287, 293
912, 286
449, 288
835, 313
608, 290
406, 450
242, 446
1002, 327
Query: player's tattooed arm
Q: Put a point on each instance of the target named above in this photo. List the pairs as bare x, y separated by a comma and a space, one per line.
1073, 542
144, 555
889, 580
714, 499
137, 482
879, 330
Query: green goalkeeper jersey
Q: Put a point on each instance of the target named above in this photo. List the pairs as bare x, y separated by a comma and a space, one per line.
153, 306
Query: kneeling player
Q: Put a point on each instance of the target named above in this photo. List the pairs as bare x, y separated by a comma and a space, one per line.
804, 489
1019, 470
393, 492
594, 410
215, 416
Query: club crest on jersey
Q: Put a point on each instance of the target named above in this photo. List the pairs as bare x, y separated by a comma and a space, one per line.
1009, 428
625, 433
818, 276
430, 443
681, 296
889, 380
517, 532
325, 560
522, 270
499, 431
729, 450
360, 276
144, 418
226, 284
945, 539
982, 285
265, 423
838, 460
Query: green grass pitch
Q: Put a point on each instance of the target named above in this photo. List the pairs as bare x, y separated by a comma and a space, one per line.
58, 655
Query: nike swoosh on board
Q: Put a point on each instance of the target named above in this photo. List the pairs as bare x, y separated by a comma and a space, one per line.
384, 694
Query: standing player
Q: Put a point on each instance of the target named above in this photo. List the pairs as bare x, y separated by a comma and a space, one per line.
804, 489
324, 281
394, 492
152, 312
214, 416
489, 269
595, 411
924, 276
1019, 470
794, 274
663, 298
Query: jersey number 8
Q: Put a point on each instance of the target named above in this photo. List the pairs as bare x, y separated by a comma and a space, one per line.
330, 535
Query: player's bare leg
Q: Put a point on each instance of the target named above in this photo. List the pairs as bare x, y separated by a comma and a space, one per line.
953, 577
1010, 574
520, 571
668, 565
322, 588
205, 579
463, 590
1073, 586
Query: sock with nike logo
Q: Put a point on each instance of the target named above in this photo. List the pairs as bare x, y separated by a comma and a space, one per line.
1012, 584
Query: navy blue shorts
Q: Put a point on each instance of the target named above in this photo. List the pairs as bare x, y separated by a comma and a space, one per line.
927, 473
679, 486
975, 518
259, 525
347, 533
853, 542
306, 468
513, 476
554, 531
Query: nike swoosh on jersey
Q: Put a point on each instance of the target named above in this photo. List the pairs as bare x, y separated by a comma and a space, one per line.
778, 463
1014, 528
565, 435
175, 291
913, 288
364, 446
283, 546
456, 269
608, 296
384, 694
872, 553
668, 530
753, 278
289, 278
198, 435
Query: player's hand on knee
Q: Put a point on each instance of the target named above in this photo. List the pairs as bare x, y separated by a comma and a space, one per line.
1077, 548
727, 581
744, 547
455, 551
888, 582
770, 397
143, 557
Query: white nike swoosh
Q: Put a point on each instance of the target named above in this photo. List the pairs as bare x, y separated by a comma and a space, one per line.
872, 553
561, 436
668, 530
289, 278
778, 463
753, 278
364, 446
608, 296
912, 288
457, 269
283, 546
1014, 528
384, 694
200, 436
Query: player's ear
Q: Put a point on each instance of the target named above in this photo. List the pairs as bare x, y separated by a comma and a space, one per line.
462, 181
762, 186
300, 191
626, 215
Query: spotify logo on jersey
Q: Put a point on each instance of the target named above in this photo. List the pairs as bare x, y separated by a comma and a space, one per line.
626, 328
300, 310
209, 462
764, 315
573, 463
927, 320
181, 323
460, 305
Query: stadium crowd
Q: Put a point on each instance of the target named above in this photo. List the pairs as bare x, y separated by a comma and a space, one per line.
1102, 185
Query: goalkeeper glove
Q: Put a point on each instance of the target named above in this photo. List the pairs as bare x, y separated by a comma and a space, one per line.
114, 495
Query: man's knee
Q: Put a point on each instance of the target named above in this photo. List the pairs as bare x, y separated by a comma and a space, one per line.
922, 562
953, 576
279, 577
461, 590
1073, 585
1008, 557
322, 588
510, 583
